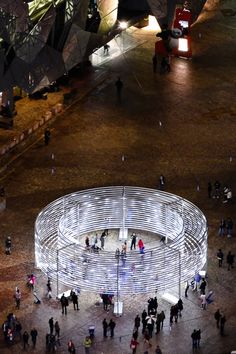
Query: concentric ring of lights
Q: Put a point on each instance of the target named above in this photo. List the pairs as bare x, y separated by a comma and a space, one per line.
60, 253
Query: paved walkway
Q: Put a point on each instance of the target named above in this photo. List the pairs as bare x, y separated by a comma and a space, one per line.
182, 125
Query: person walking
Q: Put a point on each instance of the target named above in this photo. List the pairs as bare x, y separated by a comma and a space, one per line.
51, 325
112, 325
162, 318
137, 322
17, 298
119, 87
222, 324
230, 260
133, 345
202, 286
49, 289
162, 182
154, 63
64, 304
25, 339
180, 307
75, 301
105, 326
87, 344
133, 241
57, 329
106, 48
34, 334
186, 289
220, 257
144, 322
217, 316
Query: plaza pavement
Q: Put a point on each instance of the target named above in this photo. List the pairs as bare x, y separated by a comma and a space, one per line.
181, 125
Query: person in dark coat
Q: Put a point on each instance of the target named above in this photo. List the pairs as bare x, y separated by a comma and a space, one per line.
144, 322
198, 337
51, 325
112, 325
105, 326
202, 286
64, 304
133, 241
230, 260
75, 301
34, 334
217, 316
180, 307
25, 339
137, 321
119, 87
194, 338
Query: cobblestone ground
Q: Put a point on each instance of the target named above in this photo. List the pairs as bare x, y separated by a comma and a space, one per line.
181, 125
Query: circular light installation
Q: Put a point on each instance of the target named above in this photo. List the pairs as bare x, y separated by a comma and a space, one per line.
60, 252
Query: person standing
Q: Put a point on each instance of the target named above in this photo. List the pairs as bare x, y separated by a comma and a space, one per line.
144, 322
222, 225
180, 307
217, 316
17, 298
141, 246
34, 334
119, 87
209, 189
162, 182
51, 325
133, 241
75, 301
230, 260
194, 338
64, 304
112, 325
154, 63
202, 286
203, 300
47, 136
220, 257
222, 324
8, 245
26, 339
105, 325
198, 338
71, 347
87, 344
102, 239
